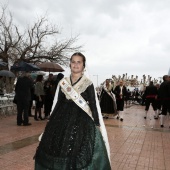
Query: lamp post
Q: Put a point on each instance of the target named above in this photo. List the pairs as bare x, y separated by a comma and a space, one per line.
97, 79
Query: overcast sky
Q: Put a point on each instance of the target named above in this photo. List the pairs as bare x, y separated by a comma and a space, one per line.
119, 36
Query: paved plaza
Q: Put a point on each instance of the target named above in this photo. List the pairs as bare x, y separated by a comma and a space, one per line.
135, 143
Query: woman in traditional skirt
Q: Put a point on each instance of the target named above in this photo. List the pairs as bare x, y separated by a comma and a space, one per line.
107, 100
75, 137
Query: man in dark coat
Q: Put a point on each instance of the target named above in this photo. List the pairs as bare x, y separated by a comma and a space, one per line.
150, 93
164, 93
120, 92
23, 89
158, 101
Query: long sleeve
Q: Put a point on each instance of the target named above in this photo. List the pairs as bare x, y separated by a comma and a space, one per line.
92, 104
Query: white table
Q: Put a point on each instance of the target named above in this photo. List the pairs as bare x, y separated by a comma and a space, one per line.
7, 106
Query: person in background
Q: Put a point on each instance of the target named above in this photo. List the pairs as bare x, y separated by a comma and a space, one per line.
49, 95
143, 97
107, 100
164, 93
121, 92
72, 138
151, 93
23, 90
128, 97
136, 95
32, 98
158, 102
39, 93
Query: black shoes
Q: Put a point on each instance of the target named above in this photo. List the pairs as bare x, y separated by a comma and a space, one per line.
105, 117
36, 119
162, 126
47, 117
155, 117
31, 115
121, 119
27, 124
24, 124
145, 117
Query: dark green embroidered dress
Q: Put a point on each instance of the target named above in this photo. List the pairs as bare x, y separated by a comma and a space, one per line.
71, 140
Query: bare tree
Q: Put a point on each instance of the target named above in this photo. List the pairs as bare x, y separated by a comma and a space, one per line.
39, 44
36, 44
60, 51
9, 37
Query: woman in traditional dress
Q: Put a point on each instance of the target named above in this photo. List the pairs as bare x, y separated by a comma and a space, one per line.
75, 137
39, 97
107, 100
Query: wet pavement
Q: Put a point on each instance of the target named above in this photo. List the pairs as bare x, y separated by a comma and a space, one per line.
135, 143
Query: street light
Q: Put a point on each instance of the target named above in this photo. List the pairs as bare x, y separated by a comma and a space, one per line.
97, 79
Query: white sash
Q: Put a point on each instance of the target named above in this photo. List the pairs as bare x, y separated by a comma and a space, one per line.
109, 93
113, 98
75, 96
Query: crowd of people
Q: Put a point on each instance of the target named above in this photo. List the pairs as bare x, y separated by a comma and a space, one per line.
112, 99
38, 94
159, 97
